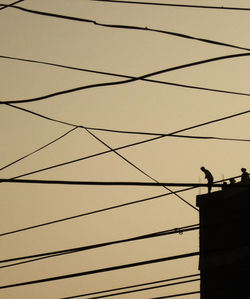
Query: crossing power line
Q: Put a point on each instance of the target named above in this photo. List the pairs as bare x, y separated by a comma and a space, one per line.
102, 270
144, 289
127, 76
99, 211
140, 170
173, 134
37, 150
11, 4
145, 76
120, 266
179, 230
89, 213
126, 146
132, 286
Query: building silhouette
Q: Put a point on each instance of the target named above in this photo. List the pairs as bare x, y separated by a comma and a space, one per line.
225, 243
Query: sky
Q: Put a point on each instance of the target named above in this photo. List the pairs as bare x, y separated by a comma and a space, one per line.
138, 106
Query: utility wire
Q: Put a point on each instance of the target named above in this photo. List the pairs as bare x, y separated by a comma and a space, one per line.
177, 295
113, 183
133, 144
102, 270
140, 170
146, 289
9, 5
132, 286
39, 149
183, 66
126, 76
83, 214
175, 5
82, 158
33, 260
126, 132
179, 230
129, 27
112, 207
98, 211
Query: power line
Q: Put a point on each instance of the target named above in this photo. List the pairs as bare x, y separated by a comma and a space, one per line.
129, 27
39, 149
146, 289
211, 138
34, 260
176, 5
178, 295
179, 230
102, 270
132, 144
82, 158
127, 80
113, 183
9, 5
84, 214
126, 76
139, 169
132, 286
98, 211
112, 207
127, 132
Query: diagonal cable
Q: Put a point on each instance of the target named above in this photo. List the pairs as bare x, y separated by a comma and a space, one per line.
139, 169
127, 76
123, 131
39, 149
102, 270
10, 5
142, 77
132, 144
39, 256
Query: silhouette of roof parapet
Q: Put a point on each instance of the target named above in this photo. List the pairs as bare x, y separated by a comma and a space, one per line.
228, 191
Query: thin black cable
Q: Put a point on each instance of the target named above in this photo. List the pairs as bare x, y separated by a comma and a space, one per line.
113, 207
140, 170
123, 131
132, 286
33, 260
133, 144
175, 5
39, 149
179, 230
211, 138
98, 211
83, 215
102, 270
113, 183
130, 27
126, 81
146, 289
82, 158
9, 5
178, 295
126, 76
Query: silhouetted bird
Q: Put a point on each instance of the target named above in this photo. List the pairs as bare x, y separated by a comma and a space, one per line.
209, 178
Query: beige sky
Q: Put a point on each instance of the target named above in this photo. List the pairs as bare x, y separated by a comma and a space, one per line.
137, 106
